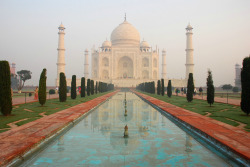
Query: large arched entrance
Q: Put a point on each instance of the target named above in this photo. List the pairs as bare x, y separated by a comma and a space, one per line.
125, 68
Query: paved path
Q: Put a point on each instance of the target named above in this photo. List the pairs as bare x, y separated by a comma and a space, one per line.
15, 142
216, 99
235, 139
21, 100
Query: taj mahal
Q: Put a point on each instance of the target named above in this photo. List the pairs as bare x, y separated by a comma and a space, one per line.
126, 60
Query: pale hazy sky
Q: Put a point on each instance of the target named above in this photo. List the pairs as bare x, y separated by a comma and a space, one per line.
28, 33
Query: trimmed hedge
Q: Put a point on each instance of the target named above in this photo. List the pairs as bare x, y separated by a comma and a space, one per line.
42, 88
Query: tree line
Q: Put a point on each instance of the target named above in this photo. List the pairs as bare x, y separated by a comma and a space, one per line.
88, 90
6, 97
149, 87
6, 92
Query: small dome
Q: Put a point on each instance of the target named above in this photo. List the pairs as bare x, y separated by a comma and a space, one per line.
189, 27
164, 50
144, 44
106, 44
61, 27
125, 33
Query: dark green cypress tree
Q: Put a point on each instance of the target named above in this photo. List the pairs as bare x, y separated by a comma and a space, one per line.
88, 87
190, 88
99, 87
82, 87
153, 87
42, 88
210, 88
96, 87
5, 88
92, 86
162, 87
62, 88
169, 89
159, 87
73, 87
245, 85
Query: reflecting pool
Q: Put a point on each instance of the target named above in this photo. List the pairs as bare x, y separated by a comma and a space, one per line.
153, 140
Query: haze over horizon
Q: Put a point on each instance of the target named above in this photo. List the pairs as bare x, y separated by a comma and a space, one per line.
221, 34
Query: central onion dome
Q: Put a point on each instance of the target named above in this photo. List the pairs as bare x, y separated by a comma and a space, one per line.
126, 34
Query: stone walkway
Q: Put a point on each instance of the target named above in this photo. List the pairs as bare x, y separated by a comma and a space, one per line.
216, 99
17, 141
235, 139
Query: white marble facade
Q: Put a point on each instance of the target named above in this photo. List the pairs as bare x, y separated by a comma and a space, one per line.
126, 60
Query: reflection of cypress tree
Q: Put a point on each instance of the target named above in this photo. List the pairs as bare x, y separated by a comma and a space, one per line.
42, 88
82, 87
62, 88
169, 89
88, 87
73, 87
190, 88
92, 87
245, 84
162, 87
5, 88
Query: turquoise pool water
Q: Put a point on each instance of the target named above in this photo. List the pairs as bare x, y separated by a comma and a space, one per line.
153, 140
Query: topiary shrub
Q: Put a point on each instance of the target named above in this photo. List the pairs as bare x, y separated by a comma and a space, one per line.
92, 87
88, 87
245, 86
73, 87
162, 87
210, 88
62, 88
158, 87
190, 88
42, 88
169, 89
96, 87
52, 91
5, 88
83, 87
236, 89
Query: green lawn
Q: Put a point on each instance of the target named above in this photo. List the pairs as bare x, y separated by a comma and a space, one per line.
219, 111
20, 112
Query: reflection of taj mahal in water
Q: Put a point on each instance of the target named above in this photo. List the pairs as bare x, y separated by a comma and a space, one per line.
143, 122
126, 61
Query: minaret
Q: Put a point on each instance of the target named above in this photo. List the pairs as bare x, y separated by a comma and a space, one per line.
164, 65
189, 51
86, 64
61, 53
237, 76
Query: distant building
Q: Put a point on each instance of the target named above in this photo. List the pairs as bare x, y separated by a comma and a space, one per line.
13, 68
237, 76
14, 78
